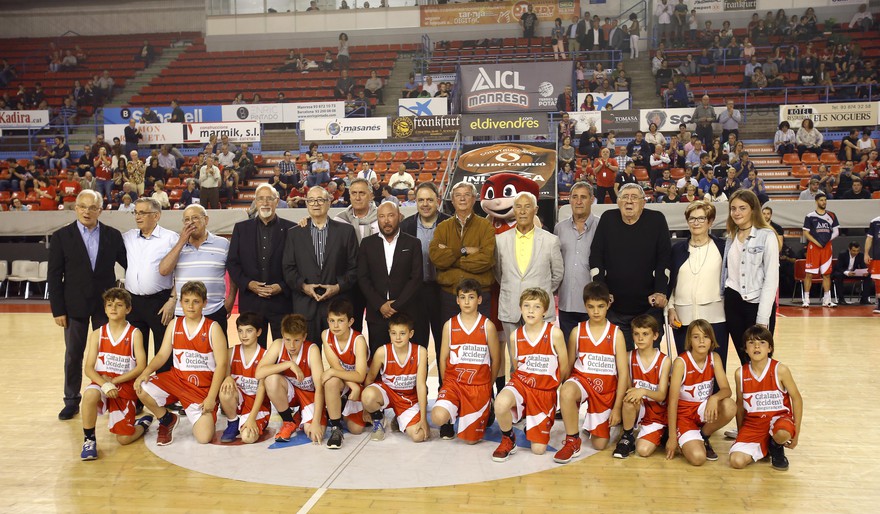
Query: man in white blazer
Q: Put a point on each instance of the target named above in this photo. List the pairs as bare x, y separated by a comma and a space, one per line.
525, 257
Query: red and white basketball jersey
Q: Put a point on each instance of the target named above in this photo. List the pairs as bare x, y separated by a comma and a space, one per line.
537, 363
243, 373
401, 375
469, 359
116, 357
595, 358
698, 382
648, 377
347, 355
302, 360
193, 354
764, 395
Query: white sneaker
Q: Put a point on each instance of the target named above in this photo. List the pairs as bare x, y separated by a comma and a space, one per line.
877, 310
829, 303
731, 434
806, 304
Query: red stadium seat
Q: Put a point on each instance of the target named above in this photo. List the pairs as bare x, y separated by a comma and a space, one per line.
791, 158
810, 158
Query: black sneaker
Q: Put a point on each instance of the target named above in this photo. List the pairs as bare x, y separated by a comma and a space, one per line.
664, 438
710, 452
491, 420
624, 447
335, 440
447, 431
778, 460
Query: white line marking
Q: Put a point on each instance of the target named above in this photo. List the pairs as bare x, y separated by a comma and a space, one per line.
312, 501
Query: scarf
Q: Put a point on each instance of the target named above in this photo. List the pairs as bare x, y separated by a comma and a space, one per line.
367, 221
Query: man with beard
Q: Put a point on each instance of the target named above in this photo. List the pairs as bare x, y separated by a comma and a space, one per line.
254, 263
389, 275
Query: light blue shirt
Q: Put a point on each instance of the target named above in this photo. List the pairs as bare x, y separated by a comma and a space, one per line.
425, 235
91, 238
207, 264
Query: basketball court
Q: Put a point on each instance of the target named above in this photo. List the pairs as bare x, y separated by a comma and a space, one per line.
833, 355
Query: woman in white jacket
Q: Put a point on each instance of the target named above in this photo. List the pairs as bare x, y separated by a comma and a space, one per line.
809, 139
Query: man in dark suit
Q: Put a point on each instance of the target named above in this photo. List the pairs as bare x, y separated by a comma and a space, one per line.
566, 102
581, 31
82, 257
595, 38
615, 36
389, 275
847, 264
320, 262
254, 263
421, 226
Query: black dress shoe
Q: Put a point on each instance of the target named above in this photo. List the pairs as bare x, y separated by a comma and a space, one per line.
68, 412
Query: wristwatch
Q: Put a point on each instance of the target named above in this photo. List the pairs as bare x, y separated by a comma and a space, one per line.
463, 251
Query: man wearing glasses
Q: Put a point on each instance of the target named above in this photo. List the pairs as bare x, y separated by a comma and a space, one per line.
152, 298
631, 253
200, 255
320, 262
254, 263
82, 257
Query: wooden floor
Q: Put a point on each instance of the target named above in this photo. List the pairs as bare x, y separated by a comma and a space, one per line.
835, 360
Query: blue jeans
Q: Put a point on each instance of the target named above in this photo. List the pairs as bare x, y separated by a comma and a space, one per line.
64, 163
105, 187
317, 178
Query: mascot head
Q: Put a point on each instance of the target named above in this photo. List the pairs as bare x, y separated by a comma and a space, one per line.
500, 189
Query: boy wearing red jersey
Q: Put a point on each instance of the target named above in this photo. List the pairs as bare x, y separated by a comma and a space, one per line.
541, 363
769, 407
469, 358
242, 396
114, 358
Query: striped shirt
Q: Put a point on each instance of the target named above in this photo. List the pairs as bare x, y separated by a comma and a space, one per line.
319, 241
207, 264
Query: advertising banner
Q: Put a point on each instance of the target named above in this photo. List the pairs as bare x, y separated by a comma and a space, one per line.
154, 133
533, 161
847, 114
294, 113
513, 87
335, 129
617, 99
447, 15
191, 113
23, 119
418, 127
740, 5
624, 122
238, 131
422, 107
264, 113
504, 124
585, 120
668, 120
708, 6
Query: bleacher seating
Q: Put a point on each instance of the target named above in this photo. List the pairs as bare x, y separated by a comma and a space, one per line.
446, 55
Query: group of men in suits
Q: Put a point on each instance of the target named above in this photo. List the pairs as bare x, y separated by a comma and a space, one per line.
586, 34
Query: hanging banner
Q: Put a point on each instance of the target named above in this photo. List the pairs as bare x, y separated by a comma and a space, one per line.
294, 113
708, 6
23, 119
238, 131
335, 129
621, 122
585, 120
845, 114
740, 5
422, 107
513, 87
191, 113
504, 124
153, 133
617, 99
418, 127
447, 15
533, 161
264, 113
668, 120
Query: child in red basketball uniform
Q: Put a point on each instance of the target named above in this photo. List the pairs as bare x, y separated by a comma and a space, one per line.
114, 358
197, 348
769, 407
694, 412
242, 396
469, 357
347, 353
401, 368
599, 378
293, 371
645, 401
541, 363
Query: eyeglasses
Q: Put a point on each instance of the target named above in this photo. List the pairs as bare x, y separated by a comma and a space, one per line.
264, 199
697, 220
316, 201
91, 208
139, 214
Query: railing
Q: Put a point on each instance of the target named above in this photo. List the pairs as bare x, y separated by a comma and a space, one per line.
612, 57
451, 161
752, 97
640, 8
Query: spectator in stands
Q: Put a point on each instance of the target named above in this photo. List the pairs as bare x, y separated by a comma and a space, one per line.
256, 98
7, 73
103, 166
69, 61
708, 181
410, 89
209, 184
694, 156
688, 66
127, 189
150, 116
565, 102
41, 157
567, 126
146, 54
744, 166
653, 137
756, 185
588, 104
638, 150
154, 171
659, 161
160, 195
865, 144
105, 86
68, 189
868, 170
132, 137
342, 53
691, 195
388, 196
313, 6
229, 185
374, 88
706, 63
664, 11
190, 194
344, 86
84, 163
557, 40
590, 143
731, 183
856, 192
327, 62
845, 178
634, 34
529, 21
827, 182
66, 114
343, 5
77, 93
319, 172
55, 62
245, 164
785, 139
758, 79
46, 195
676, 152
605, 171
704, 116
809, 139
16, 205
663, 75
729, 119
862, 19
672, 195
564, 178
238, 99
289, 172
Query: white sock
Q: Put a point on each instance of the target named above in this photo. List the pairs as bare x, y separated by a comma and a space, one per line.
806, 297
827, 296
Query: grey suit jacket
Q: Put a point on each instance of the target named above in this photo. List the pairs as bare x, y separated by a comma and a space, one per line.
545, 270
615, 39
